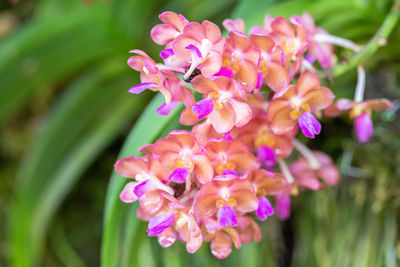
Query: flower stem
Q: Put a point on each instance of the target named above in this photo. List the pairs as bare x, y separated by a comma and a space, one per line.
335, 40
360, 88
307, 154
285, 171
378, 40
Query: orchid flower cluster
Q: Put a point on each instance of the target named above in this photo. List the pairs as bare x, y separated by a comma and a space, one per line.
254, 92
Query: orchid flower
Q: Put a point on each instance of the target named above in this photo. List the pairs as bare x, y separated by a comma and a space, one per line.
224, 104
361, 113
296, 103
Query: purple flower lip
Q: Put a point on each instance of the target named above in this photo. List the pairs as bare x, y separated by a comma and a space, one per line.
179, 175
165, 109
260, 80
309, 125
141, 189
264, 209
203, 108
224, 71
158, 224
194, 50
137, 89
266, 155
166, 53
227, 216
363, 127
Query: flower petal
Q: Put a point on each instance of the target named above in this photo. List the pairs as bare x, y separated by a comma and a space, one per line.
227, 216
137, 89
179, 175
158, 224
309, 125
363, 127
203, 108
264, 209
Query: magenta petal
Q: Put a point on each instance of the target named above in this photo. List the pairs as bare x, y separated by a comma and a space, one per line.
230, 172
179, 175
260, 80
228, 138
194, 50
165, 109
227, 216
309, 125
140, 189
203, 108
158, 224
166, 53
310, 58
225, 72
283, 207
267, 156
363, 127
137, 89
264, 209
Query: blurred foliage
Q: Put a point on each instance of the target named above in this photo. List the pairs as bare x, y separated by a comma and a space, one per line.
65, 111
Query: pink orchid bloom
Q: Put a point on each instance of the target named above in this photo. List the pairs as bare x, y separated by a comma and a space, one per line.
266, 183
181, 154
150, 75
296, 103
242, 58
223, 104
258, 137
293, 40
233, 25
166, 82
323, 52
164, 34
201, 46
231, 156
204, 132
150, 178
248, 230
272, 64
225, 196
361, 113
221, 241
189, 230
308, 177
265, 29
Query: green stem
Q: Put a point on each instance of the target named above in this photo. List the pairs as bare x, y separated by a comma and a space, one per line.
371, 47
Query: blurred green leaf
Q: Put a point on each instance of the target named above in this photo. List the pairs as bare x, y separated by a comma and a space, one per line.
97, 110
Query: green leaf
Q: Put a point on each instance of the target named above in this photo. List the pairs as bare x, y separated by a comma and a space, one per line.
97, 112
45, 51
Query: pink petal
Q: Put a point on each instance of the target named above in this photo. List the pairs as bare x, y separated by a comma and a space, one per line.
158, 224
163, 34
165, 109
137, 89
222, 120
242, 112
308, 81
127, 194
167, 238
